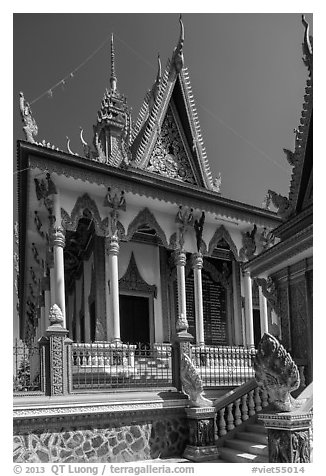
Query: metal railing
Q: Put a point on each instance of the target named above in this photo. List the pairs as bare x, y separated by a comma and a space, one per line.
103, 365
26, 367
223, 365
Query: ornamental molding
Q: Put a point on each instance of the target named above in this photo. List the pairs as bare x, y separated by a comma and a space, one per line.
146, 217
84, 202
157, 187
133, 281
222, 233
111, 411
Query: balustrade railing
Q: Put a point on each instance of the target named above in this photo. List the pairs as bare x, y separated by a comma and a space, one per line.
238, 406
223, 365
115, 365
26, 367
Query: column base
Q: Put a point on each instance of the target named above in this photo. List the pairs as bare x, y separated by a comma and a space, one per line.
201, 453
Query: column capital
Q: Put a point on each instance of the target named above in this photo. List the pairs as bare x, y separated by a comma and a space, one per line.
180, 258
197, 260
57, 236
112, 245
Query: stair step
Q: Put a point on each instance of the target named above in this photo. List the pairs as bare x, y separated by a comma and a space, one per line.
256, 428
234, 456
256, 437
247, 446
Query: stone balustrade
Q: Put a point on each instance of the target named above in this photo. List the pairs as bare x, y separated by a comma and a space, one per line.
240, 405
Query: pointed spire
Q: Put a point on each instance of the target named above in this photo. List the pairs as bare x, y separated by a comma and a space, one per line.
113, 78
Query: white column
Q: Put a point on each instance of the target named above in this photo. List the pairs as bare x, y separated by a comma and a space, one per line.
197, 264
180, 262
113, 252
263, 312
58, 242
248, 309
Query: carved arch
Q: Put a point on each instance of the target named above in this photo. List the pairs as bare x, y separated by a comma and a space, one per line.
146, 217
85, 202
222, 232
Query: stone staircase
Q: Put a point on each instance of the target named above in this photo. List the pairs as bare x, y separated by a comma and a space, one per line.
247, 446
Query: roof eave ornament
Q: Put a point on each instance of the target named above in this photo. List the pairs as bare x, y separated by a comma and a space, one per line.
178, 60
307, 46
30, 127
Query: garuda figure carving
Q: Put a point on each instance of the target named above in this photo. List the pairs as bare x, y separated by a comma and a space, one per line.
30, 127
192, 384
249, 244
277, 373
284, 208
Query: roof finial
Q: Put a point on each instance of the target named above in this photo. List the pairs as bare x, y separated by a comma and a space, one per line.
178, 53
113, 78
307, 45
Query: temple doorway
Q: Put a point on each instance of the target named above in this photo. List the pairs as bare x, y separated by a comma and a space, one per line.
134, 319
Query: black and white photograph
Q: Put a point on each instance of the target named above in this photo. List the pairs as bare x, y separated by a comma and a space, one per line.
162, 241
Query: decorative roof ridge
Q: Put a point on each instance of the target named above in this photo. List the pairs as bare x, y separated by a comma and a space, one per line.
296, 158
154, 120
199, 141
144, 112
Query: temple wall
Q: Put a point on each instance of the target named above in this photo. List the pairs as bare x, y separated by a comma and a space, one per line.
86, 438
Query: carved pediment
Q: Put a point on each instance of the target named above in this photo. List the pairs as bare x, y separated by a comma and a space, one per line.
133, 281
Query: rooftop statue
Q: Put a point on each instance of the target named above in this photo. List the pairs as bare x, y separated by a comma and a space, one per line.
192, 384
30, 127
277, 373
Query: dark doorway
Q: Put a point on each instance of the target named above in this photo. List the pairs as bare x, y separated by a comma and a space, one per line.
134, 319
257, 328
92, 321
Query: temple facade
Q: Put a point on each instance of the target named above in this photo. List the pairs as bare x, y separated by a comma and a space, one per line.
141, 288
134, 236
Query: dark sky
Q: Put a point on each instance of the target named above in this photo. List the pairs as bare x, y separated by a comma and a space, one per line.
246, 72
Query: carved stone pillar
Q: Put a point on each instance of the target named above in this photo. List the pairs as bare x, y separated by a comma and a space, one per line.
201, 445
180, 262
263, 312
113, 252
289, 435
58, 242
56, 356
197, 265
248, 309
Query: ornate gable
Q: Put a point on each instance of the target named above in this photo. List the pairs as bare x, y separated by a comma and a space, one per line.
167, 138
169, 156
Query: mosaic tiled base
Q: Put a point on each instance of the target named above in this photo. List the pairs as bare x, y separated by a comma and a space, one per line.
134, 442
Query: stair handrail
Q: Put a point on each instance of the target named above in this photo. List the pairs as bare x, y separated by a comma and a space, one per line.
233, 395
238, 407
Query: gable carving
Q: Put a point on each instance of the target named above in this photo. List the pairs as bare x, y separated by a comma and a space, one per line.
169, 157
84, 204
146, 217
222, 233
133, 281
